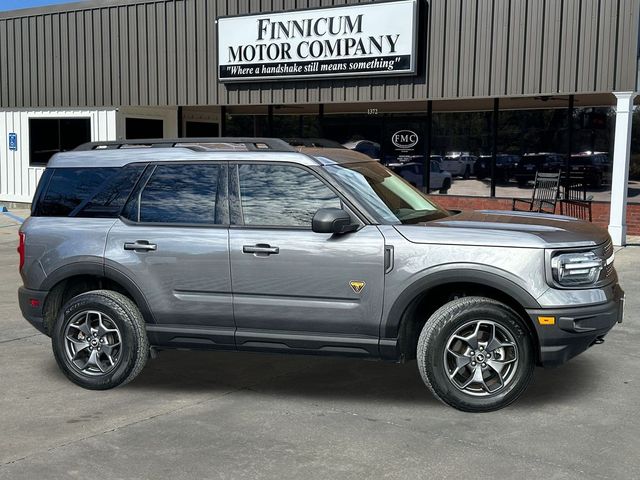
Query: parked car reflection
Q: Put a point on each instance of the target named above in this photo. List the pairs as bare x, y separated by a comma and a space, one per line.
413, 173
594, 167
459, 164
537, 162
505, 166
369, 148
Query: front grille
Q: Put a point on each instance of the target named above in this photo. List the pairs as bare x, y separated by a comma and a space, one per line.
608, 270
606, 251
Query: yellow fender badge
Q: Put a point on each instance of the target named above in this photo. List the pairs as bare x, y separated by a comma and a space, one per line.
357, 286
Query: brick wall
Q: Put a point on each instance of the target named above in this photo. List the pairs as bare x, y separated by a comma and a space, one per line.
600, 210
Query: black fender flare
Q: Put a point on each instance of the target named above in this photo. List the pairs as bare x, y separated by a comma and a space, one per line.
98, 269
471, 274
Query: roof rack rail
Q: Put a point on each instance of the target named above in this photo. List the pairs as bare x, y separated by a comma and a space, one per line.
197, 144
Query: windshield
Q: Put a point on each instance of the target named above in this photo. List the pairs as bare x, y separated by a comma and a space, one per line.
386, 195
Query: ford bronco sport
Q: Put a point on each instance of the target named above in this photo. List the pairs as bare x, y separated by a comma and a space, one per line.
247, 244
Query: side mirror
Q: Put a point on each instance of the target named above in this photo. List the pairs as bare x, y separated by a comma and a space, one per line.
332, 220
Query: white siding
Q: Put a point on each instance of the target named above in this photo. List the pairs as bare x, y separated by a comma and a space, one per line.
18, 180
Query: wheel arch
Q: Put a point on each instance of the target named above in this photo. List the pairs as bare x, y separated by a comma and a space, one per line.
410, 311
74, 279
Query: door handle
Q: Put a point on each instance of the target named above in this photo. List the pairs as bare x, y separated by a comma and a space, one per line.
142, 245
261, 250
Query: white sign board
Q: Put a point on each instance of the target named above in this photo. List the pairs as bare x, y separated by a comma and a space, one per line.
366, 39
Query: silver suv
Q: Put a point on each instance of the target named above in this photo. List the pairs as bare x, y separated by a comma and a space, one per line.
246, 244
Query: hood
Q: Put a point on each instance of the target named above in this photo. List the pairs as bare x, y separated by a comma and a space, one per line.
507, 229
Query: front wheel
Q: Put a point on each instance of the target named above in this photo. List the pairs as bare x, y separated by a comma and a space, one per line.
475, 354
99, 340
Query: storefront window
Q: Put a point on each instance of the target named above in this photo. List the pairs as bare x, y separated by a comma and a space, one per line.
528, 141
242, 122
537, 140
296, 126
461, 152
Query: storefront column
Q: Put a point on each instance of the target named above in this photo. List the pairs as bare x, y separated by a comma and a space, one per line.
620, 168
494, 144
223, 122
426, 167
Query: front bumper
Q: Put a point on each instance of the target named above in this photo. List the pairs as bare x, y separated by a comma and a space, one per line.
32, 307
575, 329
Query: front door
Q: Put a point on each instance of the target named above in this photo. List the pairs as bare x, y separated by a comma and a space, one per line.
293, 289
172, 242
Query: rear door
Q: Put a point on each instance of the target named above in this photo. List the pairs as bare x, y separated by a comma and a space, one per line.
296, 290
172, 242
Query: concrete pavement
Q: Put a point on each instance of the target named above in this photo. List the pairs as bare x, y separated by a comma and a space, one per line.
237, 415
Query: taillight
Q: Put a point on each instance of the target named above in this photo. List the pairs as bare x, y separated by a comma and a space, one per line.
21, 249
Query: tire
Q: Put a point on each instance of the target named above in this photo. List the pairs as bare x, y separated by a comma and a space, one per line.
446, 185
467, 173
514, 358
106, 330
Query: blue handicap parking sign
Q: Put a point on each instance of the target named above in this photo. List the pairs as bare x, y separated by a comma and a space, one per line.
13, 141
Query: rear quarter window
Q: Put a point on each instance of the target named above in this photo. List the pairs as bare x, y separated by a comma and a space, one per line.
85, 192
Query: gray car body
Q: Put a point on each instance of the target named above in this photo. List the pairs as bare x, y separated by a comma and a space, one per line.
199, 290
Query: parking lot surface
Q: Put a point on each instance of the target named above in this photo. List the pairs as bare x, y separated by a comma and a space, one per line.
236, 415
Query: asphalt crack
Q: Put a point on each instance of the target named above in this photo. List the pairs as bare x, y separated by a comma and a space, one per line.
20, 338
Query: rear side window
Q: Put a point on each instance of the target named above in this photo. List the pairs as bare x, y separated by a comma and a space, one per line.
112, 195
68, 187
85, 192
191, 194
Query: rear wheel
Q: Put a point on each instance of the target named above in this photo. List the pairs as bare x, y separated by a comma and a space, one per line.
446, 185
475, 354
99, 340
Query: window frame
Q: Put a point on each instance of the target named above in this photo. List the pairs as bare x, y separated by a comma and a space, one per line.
147, 175
59, 120
236, 214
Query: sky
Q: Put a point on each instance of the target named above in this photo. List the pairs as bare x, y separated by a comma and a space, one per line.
16, 4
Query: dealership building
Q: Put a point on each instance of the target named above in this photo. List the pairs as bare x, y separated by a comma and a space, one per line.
412, 79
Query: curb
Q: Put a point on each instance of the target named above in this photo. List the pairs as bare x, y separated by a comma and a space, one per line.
11, 215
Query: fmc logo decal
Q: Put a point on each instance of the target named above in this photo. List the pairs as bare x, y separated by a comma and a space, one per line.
405, 139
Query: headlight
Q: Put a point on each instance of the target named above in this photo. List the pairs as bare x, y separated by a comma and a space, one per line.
576, 269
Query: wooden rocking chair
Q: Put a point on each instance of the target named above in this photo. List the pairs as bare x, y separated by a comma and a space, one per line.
546, 189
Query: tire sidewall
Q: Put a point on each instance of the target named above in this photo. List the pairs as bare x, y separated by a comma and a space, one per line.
435, 368
129, 341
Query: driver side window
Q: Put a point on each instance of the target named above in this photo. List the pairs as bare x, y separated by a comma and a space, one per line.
281, 195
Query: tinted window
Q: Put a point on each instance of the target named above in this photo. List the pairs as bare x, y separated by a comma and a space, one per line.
70, 187
142, 128
52, 135
281, 195
111, 196
201, 129
181, 194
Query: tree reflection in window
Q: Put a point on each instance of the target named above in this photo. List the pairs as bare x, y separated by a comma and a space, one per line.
282, 195
180, 194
